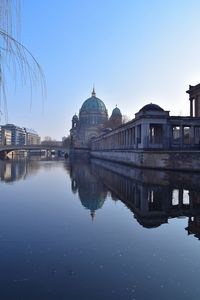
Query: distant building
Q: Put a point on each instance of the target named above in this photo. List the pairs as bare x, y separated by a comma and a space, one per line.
11, 134
5, 136
64, 138
52, 143
32, 137
18, 134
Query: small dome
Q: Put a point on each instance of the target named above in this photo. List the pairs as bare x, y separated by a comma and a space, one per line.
151, 106
116, 112
75, 118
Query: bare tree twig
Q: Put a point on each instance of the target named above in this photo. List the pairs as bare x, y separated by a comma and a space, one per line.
15, 58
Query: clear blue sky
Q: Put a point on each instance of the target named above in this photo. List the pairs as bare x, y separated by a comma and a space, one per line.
135, 52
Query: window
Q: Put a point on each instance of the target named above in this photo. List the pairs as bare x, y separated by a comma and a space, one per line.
186, 198
176, 134
175, 197
156, 133
186, 135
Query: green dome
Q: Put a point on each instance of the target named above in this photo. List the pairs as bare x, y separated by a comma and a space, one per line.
93, 202
93, 104
75, 118
116, 112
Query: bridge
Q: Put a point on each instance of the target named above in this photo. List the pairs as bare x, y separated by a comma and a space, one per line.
5, 149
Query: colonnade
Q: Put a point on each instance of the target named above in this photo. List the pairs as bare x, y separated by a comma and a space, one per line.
185, 135
176, 133
125, 138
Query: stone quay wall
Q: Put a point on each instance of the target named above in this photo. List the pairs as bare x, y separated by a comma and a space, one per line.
83, 153
168, 160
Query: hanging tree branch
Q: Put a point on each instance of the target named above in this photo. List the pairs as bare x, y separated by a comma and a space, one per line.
15, 58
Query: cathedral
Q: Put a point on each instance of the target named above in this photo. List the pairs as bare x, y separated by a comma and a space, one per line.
92, 122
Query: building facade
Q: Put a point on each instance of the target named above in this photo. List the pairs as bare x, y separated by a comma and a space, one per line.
154, 129
11, 134
154, 139
32, 137
18, 134
5, 136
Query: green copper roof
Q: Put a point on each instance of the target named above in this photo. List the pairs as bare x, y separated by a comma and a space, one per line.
75, 118
116, 112
93, 104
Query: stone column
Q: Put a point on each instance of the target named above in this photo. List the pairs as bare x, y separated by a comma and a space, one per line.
133, 137
145, 135
130, 137
191, 199
192, 136
191, 107
180, 198
144, 205
136, 137
131, 141
127, 138
196, 107
124, 139
118, 140
181, 142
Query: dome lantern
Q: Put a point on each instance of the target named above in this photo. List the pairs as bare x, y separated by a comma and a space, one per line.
93, 92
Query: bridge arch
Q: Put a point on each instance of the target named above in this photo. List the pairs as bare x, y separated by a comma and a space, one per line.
4, 150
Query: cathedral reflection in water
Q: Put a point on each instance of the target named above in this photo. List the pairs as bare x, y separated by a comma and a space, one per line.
152, 196
92, 192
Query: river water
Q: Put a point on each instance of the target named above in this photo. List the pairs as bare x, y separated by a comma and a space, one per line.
97, 230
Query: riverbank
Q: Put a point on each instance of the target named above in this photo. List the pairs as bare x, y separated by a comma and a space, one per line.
167, 160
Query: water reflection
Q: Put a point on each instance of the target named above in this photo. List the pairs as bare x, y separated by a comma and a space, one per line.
20, 169
152, 196
14, 170
50, 249
92, 192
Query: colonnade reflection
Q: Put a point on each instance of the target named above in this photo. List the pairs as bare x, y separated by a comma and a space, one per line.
152, 196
